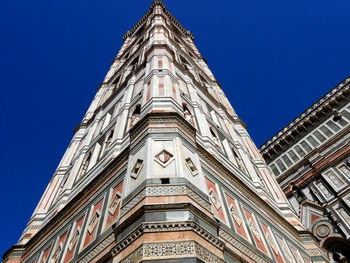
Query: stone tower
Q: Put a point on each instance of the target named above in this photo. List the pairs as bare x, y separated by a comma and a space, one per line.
161, 169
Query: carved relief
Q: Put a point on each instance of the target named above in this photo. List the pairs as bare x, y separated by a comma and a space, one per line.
235, 215
254, 229
93, 222
45, 255
344, 215
136, 169
174, 249
285, 251
113, 206
324, 190
334, 179
322, 230
57, 251
214, 199
56, 256
344, 169
190, 165
271, 242
115, 202
73, 241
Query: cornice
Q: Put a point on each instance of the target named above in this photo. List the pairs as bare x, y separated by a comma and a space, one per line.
156, 227
307, 120
154, 120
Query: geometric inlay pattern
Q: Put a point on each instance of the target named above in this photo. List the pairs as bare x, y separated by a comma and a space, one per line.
164, 158
174, 249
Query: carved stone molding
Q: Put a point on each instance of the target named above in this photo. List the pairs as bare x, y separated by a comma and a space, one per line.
162, 122
181, 249
165, 190
167, 227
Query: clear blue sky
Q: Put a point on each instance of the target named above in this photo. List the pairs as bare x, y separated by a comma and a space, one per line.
273, 58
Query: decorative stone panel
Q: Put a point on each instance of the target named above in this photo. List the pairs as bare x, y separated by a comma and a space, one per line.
174, 250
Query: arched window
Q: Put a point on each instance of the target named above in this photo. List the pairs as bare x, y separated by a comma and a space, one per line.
338, 249
135, 116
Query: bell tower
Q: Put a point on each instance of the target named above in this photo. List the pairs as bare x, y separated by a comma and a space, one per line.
161, 169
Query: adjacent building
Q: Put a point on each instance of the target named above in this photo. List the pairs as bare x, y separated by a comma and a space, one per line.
161, 169
310, 159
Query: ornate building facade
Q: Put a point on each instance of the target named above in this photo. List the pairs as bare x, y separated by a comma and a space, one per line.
161, 169
310, 159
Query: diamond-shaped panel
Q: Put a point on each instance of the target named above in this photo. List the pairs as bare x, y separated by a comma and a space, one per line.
164, 157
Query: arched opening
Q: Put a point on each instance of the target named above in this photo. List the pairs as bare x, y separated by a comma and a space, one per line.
135, 116
338, 249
